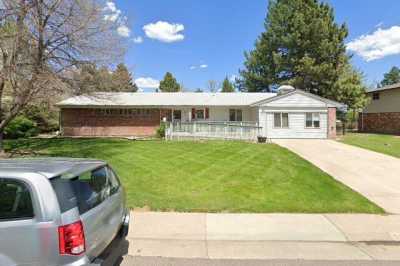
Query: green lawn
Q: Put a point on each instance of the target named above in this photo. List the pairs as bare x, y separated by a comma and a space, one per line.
213, 176
387, 144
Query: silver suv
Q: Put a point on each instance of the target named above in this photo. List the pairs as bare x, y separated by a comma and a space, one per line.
58, 211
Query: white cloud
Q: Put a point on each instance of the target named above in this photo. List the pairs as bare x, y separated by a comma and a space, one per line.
380, 43
164, 31
110, 6
193, 67
138, 39
147, 83
379, 25
112, 17
124, 31
112, 13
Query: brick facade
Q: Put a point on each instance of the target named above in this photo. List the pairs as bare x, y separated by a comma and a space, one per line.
331, 123
388, 123
109, 122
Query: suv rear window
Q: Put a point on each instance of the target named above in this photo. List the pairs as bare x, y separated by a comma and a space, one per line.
85, 191
15, 200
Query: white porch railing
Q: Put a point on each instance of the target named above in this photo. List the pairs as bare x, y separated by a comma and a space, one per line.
212, 130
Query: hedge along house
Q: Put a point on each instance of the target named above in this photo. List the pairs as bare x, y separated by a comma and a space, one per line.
288, 114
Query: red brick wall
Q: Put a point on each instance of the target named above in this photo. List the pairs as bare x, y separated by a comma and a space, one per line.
331, 123
92, 122
388, 123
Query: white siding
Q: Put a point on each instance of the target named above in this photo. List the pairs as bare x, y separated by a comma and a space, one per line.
296, 100
296, 128
222, 113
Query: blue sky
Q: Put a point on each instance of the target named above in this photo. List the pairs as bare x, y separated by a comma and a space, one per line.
201, 40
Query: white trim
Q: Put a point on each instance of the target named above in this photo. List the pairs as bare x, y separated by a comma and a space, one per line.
303, 110
281, 118
328, 103
312, 120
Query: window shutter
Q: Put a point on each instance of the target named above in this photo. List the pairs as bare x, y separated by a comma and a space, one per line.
207, 113
193, 113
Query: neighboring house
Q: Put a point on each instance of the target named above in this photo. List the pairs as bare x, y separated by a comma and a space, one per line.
382, 115
288, 114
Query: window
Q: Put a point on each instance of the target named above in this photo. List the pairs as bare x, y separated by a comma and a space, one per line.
177, 115
235, 115
15, 200
200, 114
375, 96
312, 120
114, 181
281, 120
85, 191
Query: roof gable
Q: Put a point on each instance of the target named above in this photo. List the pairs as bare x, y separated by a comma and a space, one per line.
298, 98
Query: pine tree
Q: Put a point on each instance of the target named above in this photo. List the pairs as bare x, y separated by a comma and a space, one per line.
122, 79
89, 78
301, 46
227, 86
392, 77
169, 84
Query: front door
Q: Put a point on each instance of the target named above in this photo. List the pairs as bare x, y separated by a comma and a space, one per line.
177, 115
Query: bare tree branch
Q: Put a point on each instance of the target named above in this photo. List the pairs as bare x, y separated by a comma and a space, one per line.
43, 41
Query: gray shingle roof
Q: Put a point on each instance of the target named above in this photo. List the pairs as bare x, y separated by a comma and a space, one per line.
165, 99
389, 87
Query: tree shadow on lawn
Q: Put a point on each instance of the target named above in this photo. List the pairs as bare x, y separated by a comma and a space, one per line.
64, 147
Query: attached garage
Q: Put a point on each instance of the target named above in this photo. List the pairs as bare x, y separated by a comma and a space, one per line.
298, 114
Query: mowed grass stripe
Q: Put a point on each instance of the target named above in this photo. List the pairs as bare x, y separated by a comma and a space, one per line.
212, 176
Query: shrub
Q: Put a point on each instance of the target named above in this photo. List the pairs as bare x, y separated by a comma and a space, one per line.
46, 118
161, 130
21, 127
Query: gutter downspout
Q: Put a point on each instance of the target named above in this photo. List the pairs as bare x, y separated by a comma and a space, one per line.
60, 128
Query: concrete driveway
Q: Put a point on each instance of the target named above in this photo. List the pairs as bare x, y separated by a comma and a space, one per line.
372, 174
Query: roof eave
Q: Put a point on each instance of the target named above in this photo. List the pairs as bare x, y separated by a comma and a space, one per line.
329, 103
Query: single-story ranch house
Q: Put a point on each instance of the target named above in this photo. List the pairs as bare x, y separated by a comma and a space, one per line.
287, 114
382, 115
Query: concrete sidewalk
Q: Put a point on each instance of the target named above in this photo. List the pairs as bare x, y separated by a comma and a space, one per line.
265, 236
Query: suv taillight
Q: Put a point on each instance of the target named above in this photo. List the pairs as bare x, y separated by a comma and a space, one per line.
71, 239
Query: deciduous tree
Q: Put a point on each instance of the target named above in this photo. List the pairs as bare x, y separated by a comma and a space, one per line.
212, 85
350, 90
43, 41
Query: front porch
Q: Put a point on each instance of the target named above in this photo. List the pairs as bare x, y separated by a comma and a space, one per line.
209, 114
240, 123
243, 130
